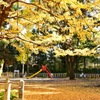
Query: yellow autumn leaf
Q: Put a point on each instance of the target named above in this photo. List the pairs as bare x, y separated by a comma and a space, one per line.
66, 14
72, 29
73, 6
78, 11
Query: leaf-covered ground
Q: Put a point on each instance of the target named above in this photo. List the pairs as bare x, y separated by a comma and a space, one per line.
63, 90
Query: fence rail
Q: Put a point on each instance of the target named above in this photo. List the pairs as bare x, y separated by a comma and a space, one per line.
7, 89
64, 75
57, 75
87, 75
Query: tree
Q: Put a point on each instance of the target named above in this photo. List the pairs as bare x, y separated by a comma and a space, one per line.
61, 25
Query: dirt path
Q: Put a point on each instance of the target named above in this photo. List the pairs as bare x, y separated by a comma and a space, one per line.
63, 90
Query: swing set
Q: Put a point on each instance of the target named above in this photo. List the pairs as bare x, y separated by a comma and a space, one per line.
45, 69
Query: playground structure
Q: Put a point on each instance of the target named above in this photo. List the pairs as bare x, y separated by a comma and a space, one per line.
19, 85
45, 69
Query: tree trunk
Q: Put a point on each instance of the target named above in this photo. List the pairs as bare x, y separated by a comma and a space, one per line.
71, 65
68, 62
64, 64
76, 63
84, 61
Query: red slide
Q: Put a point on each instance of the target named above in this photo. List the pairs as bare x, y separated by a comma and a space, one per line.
44, 68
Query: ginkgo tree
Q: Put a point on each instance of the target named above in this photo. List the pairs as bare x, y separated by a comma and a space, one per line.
59, 25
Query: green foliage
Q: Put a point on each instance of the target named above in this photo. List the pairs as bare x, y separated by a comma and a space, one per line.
16, 6
12, 96
1, 62
1, 44
1, 95
32, 0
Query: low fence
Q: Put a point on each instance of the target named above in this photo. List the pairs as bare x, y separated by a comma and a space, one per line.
7, 89
64, 75
44, 75
55, 75
87, 75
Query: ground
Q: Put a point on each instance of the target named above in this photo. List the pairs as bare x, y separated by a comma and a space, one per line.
58, 89
79, 89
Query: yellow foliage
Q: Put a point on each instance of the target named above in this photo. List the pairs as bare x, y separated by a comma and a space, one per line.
4, 3
22, 57
63, 18
72, 29
60, 17
83, 35
66, 15
73, 6
23, 50
97, 38
18, 48
78, 11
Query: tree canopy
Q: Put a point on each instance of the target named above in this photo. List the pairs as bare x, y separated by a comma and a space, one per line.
68, 27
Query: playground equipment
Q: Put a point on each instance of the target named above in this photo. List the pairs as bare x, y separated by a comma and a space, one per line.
45, 69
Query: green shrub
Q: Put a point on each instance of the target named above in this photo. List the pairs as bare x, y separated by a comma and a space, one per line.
12, 95
1, 95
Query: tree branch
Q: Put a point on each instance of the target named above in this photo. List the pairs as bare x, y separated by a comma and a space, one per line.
40, 7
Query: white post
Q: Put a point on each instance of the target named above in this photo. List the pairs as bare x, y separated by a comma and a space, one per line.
7, 90
21, 90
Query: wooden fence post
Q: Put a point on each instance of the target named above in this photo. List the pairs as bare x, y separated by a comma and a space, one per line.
7, 90
21, 90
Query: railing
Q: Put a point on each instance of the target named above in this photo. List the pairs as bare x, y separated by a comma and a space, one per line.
44, 75
57, 75
87, 75
19, 85
64, 75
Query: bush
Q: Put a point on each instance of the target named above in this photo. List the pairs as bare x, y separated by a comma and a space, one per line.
1, 95
12, 96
